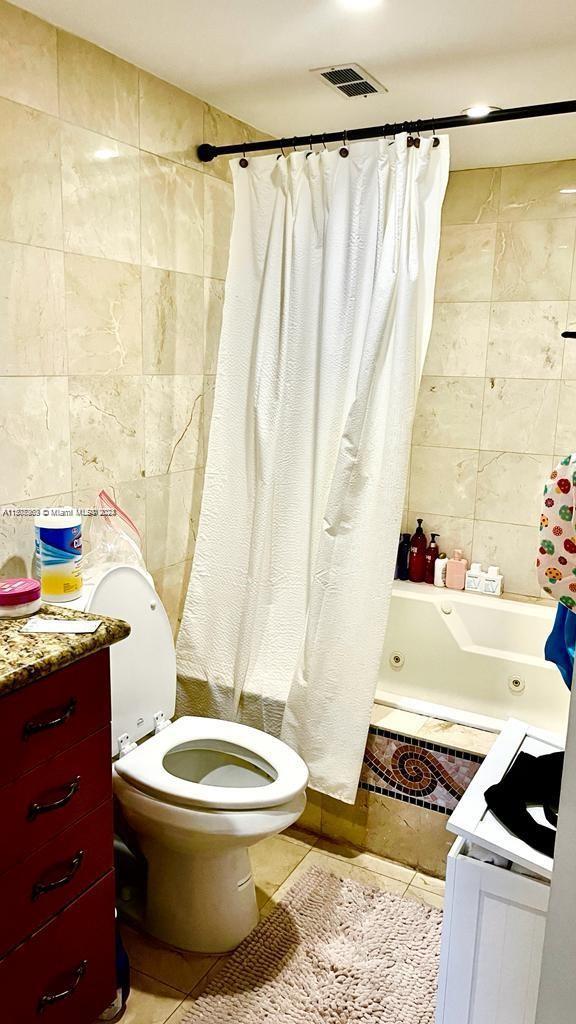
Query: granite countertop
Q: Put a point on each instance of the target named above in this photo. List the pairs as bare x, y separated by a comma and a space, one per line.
26, 657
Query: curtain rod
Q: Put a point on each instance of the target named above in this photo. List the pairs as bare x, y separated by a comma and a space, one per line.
206, 152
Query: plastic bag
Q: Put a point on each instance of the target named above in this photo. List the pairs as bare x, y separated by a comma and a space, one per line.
114, 538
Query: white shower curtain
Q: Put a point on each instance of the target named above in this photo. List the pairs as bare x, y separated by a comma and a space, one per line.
327, 317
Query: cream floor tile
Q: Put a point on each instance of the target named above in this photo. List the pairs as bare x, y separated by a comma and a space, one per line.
432, 899
273, 860
180, 1012
428, 883
342, 869
150, 1002
174, 967
358, 858
299, 835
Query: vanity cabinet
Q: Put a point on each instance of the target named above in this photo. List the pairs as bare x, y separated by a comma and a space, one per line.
57, 931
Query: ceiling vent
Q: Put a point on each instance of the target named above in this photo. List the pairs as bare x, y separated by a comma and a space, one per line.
350, 80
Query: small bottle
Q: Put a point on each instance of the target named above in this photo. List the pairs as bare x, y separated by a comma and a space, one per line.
417, 560
493, 581
440, 570
431, 556
403, 556
475, 578
456, 571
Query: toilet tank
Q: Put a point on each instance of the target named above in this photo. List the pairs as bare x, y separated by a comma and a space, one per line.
143, 666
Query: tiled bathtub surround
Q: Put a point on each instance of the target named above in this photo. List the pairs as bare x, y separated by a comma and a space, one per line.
416, 771
497, 403
113, 252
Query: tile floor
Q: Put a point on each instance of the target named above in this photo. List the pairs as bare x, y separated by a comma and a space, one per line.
165, 982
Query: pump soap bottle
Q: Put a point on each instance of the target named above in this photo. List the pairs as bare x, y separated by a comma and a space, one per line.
431, 556
456, 571
417, 561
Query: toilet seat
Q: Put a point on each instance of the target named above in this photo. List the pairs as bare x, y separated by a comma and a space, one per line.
144, 767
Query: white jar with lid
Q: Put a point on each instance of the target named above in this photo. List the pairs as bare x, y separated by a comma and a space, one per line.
19, 597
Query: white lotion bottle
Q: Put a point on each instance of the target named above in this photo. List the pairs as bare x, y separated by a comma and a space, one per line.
440, 571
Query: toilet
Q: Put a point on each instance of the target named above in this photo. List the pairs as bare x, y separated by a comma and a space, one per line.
199, 791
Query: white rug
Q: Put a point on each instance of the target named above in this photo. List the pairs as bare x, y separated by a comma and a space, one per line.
333, 952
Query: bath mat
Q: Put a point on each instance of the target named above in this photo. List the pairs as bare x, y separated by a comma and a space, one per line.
333, 952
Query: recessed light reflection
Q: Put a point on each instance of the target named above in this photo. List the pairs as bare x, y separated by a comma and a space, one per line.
360, 5
105, 153
479, 110
568, 191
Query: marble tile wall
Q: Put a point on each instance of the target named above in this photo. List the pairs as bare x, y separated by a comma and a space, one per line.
113, 253
497, 405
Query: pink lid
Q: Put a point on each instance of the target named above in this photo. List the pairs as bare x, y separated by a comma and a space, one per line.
18, 591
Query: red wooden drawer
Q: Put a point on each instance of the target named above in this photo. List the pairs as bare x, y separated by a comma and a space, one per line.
45, 801
42, 719
40, 886
73, 954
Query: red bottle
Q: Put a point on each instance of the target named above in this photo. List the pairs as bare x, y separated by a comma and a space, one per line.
431, 556
417, 561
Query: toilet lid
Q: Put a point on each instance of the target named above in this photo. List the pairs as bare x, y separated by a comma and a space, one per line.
143, 666
204, 762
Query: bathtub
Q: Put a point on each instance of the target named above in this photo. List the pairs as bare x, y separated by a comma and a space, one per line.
470, 659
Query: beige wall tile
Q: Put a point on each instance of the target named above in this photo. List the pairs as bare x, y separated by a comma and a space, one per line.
218, 211
466, 262
569, 365
273, 860
106, 426
97, 90
171, 121
566, 427
514, 549
32, 339
221, 130
519, 415
172, 215
100, 196
472, 197
173, 417
449, 412
172, 511
534, 191
346, 822
28, 71
525, 339
534, 260
443, 480
172, 584
454, 533
34, 437
30, 203
213, 308
311, 817
104, 327
208, 407
510, 487
173, 322
458, 340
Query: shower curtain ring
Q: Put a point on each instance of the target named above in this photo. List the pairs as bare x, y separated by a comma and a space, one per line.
282, 153
323, 141
344, 151
435, 139
311, 145
243, 161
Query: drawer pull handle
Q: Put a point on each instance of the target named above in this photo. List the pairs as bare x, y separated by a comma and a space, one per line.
36, 809
56, 997
31, 728
41, 888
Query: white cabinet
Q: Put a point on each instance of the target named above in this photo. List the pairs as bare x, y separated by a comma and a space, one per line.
494, 916
492, 941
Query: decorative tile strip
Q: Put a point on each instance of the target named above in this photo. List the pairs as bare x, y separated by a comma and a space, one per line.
416, 771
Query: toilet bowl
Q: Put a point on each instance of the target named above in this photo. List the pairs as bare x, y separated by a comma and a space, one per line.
199, 791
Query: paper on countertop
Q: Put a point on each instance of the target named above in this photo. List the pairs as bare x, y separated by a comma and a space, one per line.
40, 625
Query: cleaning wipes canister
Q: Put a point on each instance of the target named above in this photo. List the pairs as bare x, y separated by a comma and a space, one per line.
59, 553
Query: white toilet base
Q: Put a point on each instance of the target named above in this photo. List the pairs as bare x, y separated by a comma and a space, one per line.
201, 901
204, 902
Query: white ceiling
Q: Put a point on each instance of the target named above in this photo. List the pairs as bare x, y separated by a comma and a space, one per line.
252, 59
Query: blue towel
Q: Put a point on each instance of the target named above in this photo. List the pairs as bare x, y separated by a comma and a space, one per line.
561, 642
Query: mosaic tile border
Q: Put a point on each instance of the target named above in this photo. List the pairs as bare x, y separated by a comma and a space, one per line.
415, 771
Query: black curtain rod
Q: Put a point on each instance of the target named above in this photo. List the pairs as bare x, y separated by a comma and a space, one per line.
207, 152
